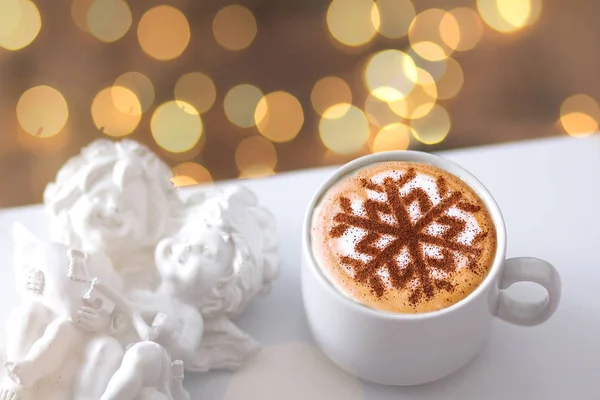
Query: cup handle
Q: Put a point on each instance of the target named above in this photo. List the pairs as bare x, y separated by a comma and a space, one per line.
528, 269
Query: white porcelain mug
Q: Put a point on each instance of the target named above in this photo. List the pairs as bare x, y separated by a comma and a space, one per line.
409, 349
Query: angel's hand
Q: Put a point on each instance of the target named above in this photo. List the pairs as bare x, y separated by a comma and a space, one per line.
166, 328
36, 282
91, 320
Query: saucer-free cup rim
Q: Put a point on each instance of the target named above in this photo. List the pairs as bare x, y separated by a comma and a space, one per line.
409, 156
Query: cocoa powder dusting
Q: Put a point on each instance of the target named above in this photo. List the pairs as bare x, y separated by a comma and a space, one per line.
416, 276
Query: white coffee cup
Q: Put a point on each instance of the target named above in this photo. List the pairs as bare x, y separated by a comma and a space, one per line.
409, 349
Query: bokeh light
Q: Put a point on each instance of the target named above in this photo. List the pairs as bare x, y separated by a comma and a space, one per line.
470, 27
329, 91
393, 17
390, 75
234, 27
433, 128
196, 89
190, 173
450, 83
163, 32
42, 111
27, 28
10, 16
351, 22
140, 85
579, 115
79, 12
279, 116
176, 126
344, 129
255, 156
392, 137
240, 104
434, 34
378, 112
109, 20
116, 111
421, 100
509, 15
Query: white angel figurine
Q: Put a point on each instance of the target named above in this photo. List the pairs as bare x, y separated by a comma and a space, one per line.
48, 332
115, 198
223, 257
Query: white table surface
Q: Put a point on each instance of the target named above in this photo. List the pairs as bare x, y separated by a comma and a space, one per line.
549, 192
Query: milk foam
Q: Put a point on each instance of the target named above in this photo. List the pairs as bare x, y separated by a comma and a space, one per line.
345, 245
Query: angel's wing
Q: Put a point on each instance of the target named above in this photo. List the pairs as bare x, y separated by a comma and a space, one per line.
24, 245
223, 346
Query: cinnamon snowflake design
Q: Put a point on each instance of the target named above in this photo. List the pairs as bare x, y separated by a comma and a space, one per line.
422, 274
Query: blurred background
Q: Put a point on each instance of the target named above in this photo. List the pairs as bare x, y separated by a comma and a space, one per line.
245, 89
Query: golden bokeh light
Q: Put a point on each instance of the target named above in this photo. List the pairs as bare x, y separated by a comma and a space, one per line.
420, 101
109, 20
434, 34
432, 128
42, 111
344, 129
329, 91
190, 173
393, 17
579, 115
255, 156
509, 15
378, 112
234, 27
450, 83
116, 111
390, 75
140, 85
176, 126
392, 137
279, 116
196, 89
27, 28
79, 12
163, 32
351, 22
10, 16
470, 27
240, 104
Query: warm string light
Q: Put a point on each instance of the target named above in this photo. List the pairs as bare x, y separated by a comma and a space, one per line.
163, 32
234, 27
509, 15
108, 20
580, 115
42, 111
197, 89
20, 23
329, 91
190, 173
176, 126
255, 156
279, 116
140, 85
344, 128
353, 22
116, 111
240, 105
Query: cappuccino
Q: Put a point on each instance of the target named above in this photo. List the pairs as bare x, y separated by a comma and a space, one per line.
404, 237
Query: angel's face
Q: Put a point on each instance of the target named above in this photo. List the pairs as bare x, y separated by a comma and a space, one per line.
109, 217
195, 261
